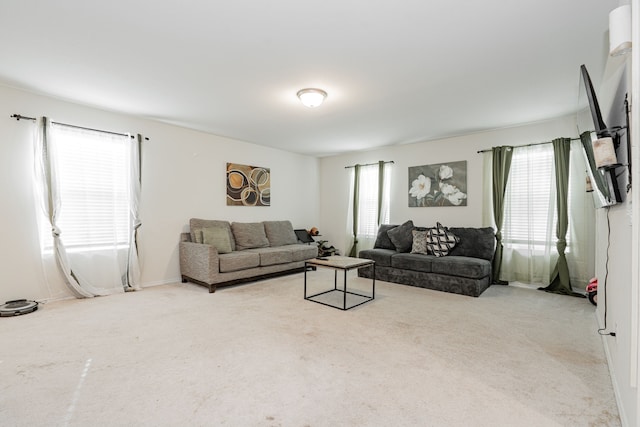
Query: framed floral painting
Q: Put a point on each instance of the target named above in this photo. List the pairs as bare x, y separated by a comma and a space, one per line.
440, 184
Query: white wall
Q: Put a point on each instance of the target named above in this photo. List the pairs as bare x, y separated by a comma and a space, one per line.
614, 248
334, 185
183, 176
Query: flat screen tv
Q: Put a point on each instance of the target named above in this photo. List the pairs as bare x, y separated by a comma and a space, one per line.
606, 188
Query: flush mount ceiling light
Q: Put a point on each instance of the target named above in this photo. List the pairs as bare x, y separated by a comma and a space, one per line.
312, 97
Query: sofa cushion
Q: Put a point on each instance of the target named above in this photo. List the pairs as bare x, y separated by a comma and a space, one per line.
440, 241
382, 239
402, 236
280, 233
472, 268
272, 256
236, 260
301, 252
249, 235
196, 225
474, 242
419, 245
217, 237
413, 262
382, 257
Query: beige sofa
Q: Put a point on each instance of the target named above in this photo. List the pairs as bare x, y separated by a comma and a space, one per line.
215, 253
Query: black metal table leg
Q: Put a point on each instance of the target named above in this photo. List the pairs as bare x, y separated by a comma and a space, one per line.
305, 280
344, 304
373, 293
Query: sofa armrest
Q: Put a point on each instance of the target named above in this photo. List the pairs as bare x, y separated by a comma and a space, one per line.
199, 261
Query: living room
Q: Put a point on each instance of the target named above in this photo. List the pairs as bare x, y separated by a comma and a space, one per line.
183, 174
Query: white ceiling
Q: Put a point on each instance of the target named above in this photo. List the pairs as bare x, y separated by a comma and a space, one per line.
396, 71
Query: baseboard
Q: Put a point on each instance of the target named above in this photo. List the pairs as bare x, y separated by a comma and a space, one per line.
160, 282
614, 382
45, 301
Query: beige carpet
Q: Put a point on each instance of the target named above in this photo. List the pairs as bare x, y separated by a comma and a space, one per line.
260, 355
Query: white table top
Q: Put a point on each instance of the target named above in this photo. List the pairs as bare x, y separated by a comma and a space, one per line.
342, 262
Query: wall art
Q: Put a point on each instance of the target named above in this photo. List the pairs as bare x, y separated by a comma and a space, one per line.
440, 184
248, 185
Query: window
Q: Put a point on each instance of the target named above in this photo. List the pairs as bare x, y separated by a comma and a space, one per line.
530, 218
89, 184
367, 205
92, 172
368, 202
529, 215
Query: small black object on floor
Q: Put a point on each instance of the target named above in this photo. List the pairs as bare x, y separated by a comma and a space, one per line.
17, 307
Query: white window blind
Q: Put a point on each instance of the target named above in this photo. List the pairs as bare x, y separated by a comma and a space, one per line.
368, 201
532, 216
528, 193
93, 172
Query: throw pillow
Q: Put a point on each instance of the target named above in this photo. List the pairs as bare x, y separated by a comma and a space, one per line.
217, 237
402, 236
382, 239
197, 224
474, 242
196, 234
249, 235
419, 245
440, 240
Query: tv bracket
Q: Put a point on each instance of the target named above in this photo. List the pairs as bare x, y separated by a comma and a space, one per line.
614, 133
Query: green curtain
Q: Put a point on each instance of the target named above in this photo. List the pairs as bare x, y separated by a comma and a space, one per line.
600, 181
501, 165
560, 282
356, 196
380, 188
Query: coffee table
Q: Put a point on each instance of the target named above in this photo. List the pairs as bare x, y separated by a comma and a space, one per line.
345, 264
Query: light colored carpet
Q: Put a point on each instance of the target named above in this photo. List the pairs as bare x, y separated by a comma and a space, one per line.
260, 355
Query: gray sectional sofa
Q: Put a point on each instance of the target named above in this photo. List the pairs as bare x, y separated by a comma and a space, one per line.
215, 253
458, 260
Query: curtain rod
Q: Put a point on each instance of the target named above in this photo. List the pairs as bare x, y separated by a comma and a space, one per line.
19, 117
368, 164
527, 145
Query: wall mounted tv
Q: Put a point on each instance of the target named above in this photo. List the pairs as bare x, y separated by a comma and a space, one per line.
606, 182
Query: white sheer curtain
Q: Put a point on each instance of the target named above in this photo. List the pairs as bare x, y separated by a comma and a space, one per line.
135, 181
530, 216
581, 249
368, 204
89, 186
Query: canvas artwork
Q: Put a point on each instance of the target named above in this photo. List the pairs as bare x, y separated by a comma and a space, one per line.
440, 184
248, 185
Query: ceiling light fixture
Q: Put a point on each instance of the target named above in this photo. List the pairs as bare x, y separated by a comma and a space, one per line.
311, 97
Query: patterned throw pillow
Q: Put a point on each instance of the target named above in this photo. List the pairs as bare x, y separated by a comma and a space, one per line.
440, 240
419, 245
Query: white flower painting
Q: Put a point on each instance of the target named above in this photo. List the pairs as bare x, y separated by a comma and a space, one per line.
442, 184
